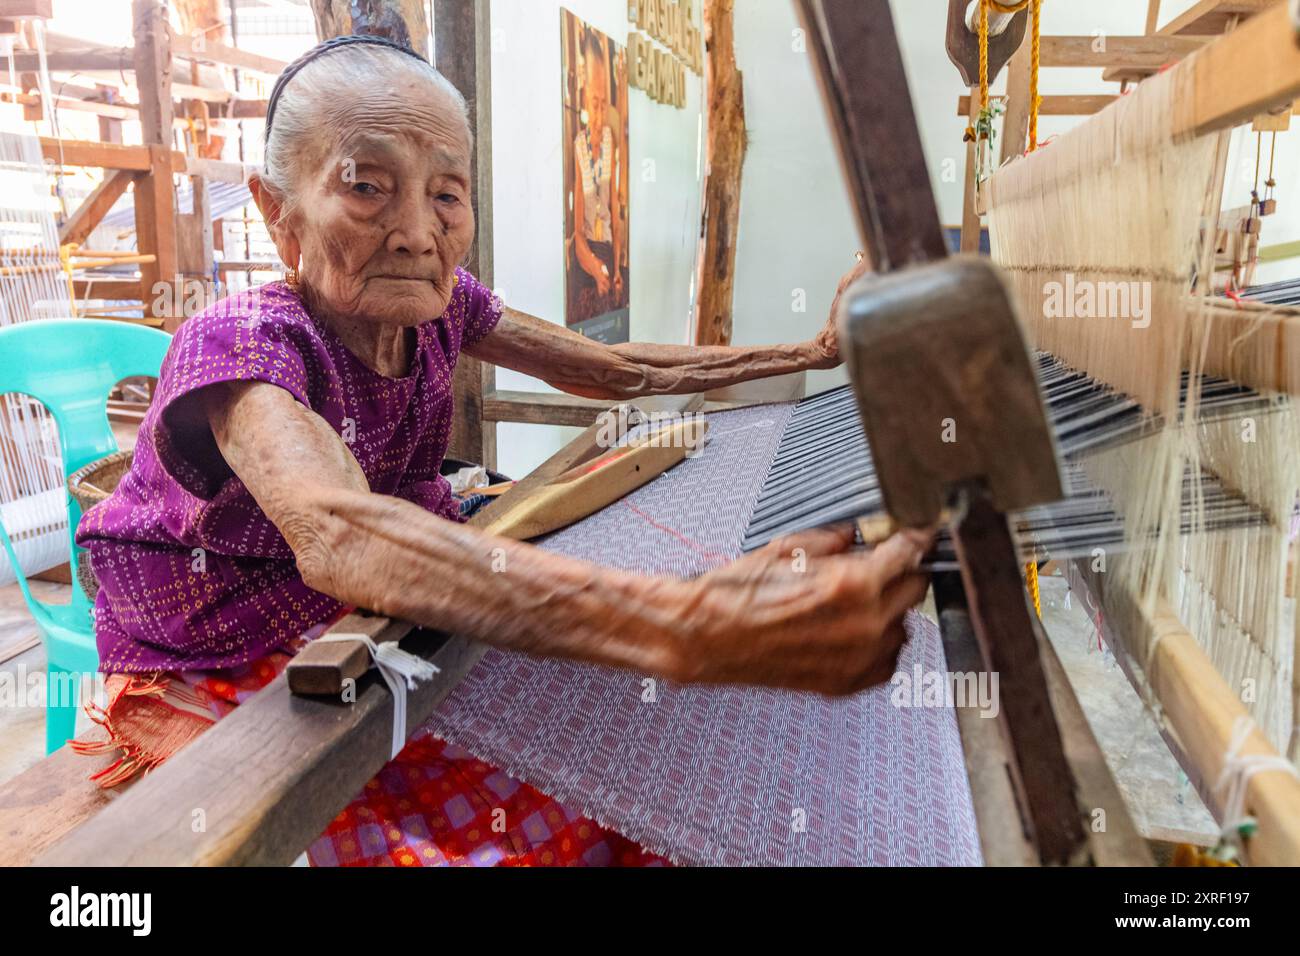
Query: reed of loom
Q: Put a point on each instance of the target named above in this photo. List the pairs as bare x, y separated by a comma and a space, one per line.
1203, 623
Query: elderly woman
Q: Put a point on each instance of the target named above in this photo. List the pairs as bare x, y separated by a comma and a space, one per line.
288, 471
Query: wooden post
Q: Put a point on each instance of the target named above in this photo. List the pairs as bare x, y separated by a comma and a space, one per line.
1153, 16
970, 217
722, 183
1015, 123
155, 213
463, 53
403, 21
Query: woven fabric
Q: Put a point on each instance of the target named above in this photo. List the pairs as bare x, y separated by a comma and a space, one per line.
722, 776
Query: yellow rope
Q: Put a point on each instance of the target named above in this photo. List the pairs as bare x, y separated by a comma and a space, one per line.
984, 55
1031, 580
1035, 101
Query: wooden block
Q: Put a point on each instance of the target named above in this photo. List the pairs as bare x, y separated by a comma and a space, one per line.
324, 668
1274, 121
963, 46
948, 325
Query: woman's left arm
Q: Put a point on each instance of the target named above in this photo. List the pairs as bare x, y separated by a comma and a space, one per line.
572, 363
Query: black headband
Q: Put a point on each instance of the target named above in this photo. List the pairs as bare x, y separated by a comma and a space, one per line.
320, 50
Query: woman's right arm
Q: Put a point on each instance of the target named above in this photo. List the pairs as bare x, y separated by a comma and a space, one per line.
834, 626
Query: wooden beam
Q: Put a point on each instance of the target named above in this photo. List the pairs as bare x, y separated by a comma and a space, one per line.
1130, 52
540, 408
300, 761
47, 801
121, 111
970, 215
87, 216
203, 50
1212, 17
213, 170
1153, 16
71, 152
1203, 712
1223, 91
463, 53
1071, 105
716, 259
126, 289
1015, 122
241, 108
155, 213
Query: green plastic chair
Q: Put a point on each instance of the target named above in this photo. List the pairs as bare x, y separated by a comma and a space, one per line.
69, 366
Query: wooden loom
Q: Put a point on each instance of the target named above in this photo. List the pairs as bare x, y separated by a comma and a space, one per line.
1191, 619
302, 760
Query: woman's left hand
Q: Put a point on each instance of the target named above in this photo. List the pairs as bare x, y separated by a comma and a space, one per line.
826, 346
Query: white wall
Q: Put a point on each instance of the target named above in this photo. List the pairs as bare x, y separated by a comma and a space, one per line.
796, 227
664, 151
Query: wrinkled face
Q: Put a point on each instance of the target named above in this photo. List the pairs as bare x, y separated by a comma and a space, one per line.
384, 215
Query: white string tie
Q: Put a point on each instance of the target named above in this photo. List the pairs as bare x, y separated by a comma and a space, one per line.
1238, 769
397, 667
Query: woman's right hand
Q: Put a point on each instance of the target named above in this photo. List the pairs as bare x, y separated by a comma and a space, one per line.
805, 613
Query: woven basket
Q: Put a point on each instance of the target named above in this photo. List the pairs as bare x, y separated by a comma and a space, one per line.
89, 486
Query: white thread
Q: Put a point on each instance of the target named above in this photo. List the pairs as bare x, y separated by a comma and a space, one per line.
1238, 769
395, 667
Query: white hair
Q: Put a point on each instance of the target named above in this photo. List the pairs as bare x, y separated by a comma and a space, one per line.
302, 109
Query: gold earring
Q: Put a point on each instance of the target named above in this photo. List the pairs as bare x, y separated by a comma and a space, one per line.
291, 278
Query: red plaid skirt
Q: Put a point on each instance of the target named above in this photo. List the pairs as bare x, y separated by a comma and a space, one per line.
431, 805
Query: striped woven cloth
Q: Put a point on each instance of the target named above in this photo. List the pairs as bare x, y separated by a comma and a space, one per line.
721, 776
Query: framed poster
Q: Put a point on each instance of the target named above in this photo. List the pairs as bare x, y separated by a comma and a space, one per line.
596, 264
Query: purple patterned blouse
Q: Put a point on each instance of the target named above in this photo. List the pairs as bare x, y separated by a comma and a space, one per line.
192, 574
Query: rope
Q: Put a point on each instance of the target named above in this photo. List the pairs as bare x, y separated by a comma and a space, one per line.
1234, 783
1034, 99
982, 129
1031, 581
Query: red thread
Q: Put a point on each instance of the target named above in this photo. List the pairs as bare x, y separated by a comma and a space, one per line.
676, 534
1232, 293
